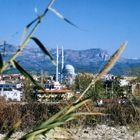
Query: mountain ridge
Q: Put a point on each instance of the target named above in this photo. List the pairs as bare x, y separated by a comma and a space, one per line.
89, 60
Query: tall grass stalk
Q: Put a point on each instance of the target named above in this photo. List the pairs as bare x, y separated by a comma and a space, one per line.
106, 68
27, 39
68, 113
65, 115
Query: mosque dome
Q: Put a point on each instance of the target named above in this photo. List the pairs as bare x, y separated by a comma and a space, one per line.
69, 70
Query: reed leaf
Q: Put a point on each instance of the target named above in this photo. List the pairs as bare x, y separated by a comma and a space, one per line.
74, 116
42, 47
62, 17
25, 30
27, 75
42, 131
1, 61
54, 124
31, 23
59, 133
89, 114
56, 120
49, 5
47, 128
23, 44
105, 69
9, 134
68, 112
53, 118
77, 105
61, 114
57, 136
23, 35
60, 118
61, 129
38, 19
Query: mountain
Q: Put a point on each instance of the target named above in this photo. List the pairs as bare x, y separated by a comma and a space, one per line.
90, 60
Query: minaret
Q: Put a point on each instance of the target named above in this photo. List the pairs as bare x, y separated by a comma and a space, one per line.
62, 64
57, 64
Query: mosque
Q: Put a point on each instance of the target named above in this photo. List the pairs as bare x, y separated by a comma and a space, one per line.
67, 72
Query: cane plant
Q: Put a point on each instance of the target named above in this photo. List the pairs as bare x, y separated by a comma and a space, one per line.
68, 113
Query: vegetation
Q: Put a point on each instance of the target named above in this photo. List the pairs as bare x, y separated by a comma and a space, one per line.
28, 114
89, 87
68, 113
82, 80
28, 93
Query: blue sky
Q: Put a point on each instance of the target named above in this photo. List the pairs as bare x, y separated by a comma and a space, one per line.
106, 23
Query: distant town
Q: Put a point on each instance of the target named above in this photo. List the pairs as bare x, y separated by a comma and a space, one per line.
64, 84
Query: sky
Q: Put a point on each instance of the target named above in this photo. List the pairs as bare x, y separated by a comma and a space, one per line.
104, 24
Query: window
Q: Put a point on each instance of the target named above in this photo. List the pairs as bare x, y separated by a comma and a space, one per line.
7, 89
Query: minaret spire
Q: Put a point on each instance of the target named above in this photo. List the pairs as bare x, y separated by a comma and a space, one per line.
62, 65
57, 63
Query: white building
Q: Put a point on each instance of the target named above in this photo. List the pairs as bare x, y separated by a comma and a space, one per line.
69, 70
108, 77
69, 74
10, 93
124, 82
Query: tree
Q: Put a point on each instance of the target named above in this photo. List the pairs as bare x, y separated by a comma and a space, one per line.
82, 80
28, 90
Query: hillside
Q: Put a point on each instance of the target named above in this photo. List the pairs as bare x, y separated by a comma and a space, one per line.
90, 60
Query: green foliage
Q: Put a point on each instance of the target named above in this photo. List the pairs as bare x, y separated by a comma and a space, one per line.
13, 129
124, 114
83, 80
30, 115
10, 115
42, 47
28, 93
99, 91
113, 88
107, 67
27, 75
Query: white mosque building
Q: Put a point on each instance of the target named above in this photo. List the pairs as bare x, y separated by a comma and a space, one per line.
68, 74
67, 71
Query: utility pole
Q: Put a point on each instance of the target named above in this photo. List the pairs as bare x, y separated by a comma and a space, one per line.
42, 78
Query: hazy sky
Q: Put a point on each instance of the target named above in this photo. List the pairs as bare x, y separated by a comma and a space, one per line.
107, 23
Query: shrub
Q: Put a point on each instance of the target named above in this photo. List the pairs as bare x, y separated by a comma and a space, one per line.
124, 114
31, 114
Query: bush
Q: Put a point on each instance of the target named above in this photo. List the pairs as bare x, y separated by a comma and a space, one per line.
31, 114
124, 114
